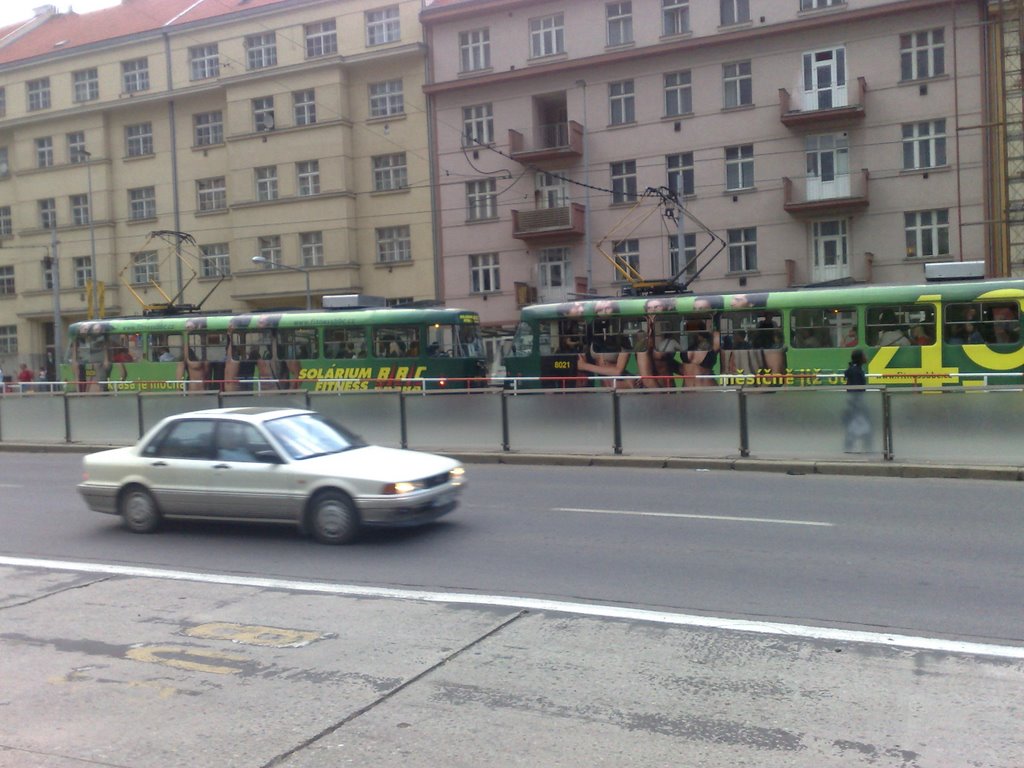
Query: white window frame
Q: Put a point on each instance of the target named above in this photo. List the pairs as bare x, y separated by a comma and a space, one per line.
484, 273
269, 247
80, 213
742, 249
626, 253
214, 260
208, 128
390, 172
260, 50
47, 208
145, 268
383, 26
265, 178
7, 284
141, 203
311, 249
481, 200
44, 151
135, 75
619, 23
675, 17
688, 265
737, 84
733, 12
475, 50
622, 102
263, 118
477, 125
547, 36
393, 244
678, 93
211, 194
680, 173
924, 144
81, 270
304, 106
927, 233
922, 54
6, 222
386, 98
85, 85
37, 94
77, 153
623, 177
822, 234
814, 5
739, 167
138, 140
307, 174
321, 38
8, 333
204, 61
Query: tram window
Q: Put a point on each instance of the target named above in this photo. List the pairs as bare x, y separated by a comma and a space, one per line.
900, 325
668, 333
345, 343
467, 339
396, 341
982, 322
616, 334
522, 341
694, 329
164, 347
296, 344
211, 347
565, 336
824, 327
751, 330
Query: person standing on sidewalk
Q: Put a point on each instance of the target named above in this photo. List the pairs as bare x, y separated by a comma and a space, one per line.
856, 418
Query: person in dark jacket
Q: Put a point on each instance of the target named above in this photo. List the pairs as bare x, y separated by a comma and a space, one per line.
856, 418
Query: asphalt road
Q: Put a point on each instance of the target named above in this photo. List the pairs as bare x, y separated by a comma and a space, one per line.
938, 558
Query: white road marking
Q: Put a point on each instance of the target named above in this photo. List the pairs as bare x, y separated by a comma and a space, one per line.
695, 517
524, 603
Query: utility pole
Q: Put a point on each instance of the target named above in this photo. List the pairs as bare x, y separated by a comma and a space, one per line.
55, 282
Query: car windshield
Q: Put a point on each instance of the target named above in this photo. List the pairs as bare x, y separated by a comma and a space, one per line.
308, 435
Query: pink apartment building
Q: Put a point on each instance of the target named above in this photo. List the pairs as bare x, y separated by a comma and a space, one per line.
808, 141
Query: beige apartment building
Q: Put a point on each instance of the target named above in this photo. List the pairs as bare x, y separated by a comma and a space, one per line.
803, 142
291, 130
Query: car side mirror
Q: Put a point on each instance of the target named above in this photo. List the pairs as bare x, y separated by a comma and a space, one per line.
268, 456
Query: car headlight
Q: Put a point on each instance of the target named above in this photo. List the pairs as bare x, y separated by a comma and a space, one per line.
457, 475
402, 487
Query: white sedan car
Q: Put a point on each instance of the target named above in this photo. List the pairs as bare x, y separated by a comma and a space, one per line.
268, 465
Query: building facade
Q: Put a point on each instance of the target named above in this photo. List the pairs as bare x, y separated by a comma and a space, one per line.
293, 131
785, 144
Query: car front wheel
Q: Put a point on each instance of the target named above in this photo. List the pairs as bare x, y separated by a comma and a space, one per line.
333, 518
139, 510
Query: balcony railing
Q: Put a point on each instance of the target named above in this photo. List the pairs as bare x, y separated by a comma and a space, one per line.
811, 196
549, 224
556, 141
846, 106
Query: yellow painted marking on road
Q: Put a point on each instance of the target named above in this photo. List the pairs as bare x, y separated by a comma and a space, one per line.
183, 657
250, 634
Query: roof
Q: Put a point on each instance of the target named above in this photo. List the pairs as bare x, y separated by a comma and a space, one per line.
47, 34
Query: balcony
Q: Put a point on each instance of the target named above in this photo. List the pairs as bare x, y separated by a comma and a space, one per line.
831, 108
557, 142
549, 225
812, 197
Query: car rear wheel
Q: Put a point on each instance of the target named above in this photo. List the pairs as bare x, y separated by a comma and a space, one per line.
333, 518
139, 510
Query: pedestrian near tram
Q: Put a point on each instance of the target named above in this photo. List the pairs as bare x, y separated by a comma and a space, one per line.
856, 418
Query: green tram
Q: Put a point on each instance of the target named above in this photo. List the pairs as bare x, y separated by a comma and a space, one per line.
934, 334
324, 351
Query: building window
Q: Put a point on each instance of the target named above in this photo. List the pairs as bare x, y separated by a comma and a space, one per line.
204, 61
8, 333
477, 125
79, 210
311, 249
138, 140
145, 268
321, 38
6, 223
678, 94
922, 54
739, 84
263, 113
734, 11
211, 194
48, 213
86, 85
675, 17
742, 249
623, 182
76, 147
811, 5
739, 167
142, 203
266, 182
831, 248
389, 172
386, 98
260, 51
475, 50
481, 200
688, 265
622, 102
484, 273
44, 152
927, 233
924, 144
383, 26
547, 36
214, 261
209, 128
394, 244
3, 101
135, 75
627, 258
304, 103
38, 94
680, 173
619, 18
5, 166
308, 177
81, 269
269, 247
7, 284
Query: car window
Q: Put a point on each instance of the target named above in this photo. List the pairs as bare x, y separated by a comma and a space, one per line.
237, 441
309, 435
190, 439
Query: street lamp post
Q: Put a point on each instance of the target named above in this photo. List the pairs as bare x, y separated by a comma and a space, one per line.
94, 293
274, 265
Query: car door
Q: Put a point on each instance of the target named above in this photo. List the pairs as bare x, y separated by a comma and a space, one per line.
178, 467
246, 480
